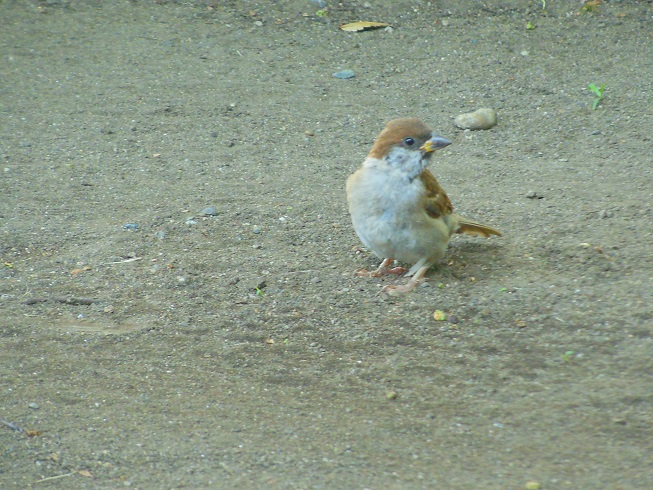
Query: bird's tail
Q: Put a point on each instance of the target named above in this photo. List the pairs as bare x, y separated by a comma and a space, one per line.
469, 227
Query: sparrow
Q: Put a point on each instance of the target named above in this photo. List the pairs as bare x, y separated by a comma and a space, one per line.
397, 207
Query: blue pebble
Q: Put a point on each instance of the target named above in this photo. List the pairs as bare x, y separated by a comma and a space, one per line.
130, 226
210, 211
344, 74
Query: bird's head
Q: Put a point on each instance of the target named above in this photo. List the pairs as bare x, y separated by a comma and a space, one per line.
407, 144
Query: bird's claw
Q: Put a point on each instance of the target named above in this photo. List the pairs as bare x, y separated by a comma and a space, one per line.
397, 270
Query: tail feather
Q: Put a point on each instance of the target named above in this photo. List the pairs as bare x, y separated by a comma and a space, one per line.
469, 227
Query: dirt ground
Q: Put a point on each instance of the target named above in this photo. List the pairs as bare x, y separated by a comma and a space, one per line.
145, 344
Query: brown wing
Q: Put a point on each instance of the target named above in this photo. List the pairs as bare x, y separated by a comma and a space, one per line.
437, 203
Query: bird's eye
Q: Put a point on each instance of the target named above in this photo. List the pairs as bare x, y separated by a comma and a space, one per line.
409, 141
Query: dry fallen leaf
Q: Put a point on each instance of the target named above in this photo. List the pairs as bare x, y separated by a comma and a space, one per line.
362, 25
85, 473
74, 272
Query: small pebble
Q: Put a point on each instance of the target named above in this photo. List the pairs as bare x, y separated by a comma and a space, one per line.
344, 74
452, 319
534, 195
605, 214
256, 230
484, 118
210, 211
258, 23
34, 406
191, 221
160, 234
130, 226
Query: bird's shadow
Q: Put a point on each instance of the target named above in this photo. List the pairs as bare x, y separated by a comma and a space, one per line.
475, 253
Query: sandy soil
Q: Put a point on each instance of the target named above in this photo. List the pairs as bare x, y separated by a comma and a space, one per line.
238, 350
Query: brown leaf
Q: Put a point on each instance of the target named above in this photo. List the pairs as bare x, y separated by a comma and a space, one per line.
74, 272
362, 25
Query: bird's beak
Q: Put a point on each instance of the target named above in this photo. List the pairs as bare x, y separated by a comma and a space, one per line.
435, 143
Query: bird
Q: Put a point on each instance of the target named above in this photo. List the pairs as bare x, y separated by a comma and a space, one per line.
399, 210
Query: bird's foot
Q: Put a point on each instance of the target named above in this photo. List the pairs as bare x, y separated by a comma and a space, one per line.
380, 272
395, 290
383, 270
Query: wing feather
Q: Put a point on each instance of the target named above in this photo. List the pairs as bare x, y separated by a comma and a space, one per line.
437, 203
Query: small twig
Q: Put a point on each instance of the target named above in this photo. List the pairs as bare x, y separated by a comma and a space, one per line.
133, 259
75, 301
67, 301
33, 301
12, 425
55, 477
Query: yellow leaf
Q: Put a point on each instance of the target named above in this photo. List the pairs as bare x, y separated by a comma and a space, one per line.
362, 25
439, 315
85, 473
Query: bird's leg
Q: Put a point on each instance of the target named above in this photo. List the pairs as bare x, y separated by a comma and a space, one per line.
416, 280
382, 270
